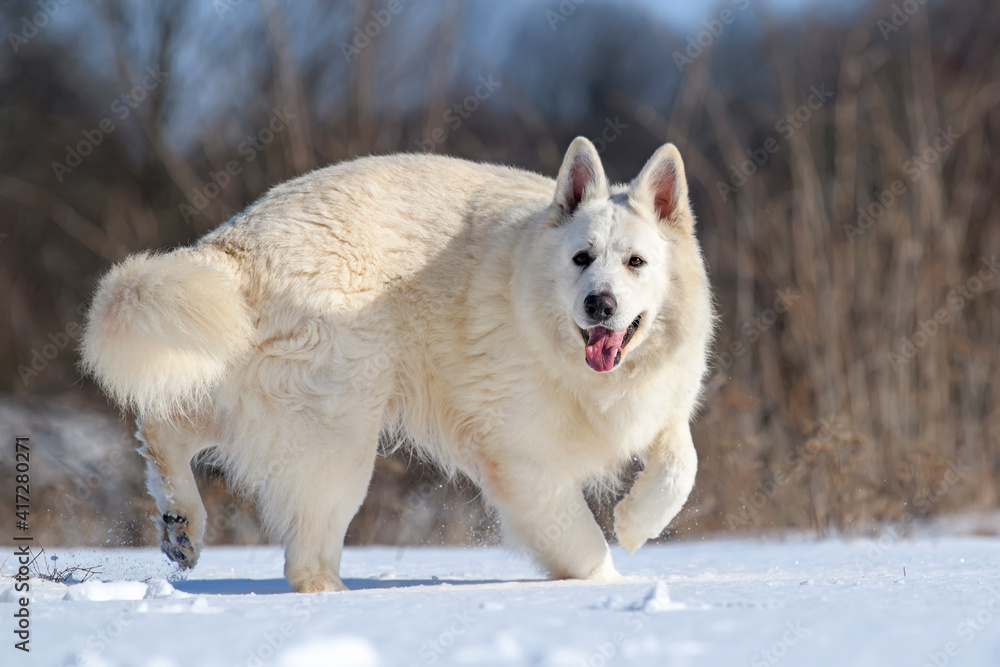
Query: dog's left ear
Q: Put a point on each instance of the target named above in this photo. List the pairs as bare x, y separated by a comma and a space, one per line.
581, 176
662, 187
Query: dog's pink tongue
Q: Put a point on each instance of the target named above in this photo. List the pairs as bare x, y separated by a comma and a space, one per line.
602, 346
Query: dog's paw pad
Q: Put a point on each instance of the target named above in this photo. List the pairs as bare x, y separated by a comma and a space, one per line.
171, 519
175, 554
176, 543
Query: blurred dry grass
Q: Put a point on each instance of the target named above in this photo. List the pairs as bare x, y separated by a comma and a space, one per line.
808, 422
825, 415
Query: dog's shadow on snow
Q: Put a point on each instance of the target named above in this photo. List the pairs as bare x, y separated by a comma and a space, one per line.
280, 586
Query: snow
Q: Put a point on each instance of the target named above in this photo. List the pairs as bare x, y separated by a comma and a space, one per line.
346, 651
100, 591
797, 602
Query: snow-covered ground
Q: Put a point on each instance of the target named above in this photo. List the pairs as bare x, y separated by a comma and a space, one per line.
810, 603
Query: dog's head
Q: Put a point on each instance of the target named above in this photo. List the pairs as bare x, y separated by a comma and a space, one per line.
611, 252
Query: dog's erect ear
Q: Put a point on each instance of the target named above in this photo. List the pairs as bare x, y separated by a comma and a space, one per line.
662, 187
581, 176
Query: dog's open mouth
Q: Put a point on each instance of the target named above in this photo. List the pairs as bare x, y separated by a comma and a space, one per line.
604, 346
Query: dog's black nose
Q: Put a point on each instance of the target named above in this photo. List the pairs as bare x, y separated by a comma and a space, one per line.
600, 305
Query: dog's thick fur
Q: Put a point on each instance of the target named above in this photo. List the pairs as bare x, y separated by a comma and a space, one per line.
449, 301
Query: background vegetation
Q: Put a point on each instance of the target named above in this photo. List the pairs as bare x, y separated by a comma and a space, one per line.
842, 168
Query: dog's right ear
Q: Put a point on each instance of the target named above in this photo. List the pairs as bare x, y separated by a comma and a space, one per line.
581, 177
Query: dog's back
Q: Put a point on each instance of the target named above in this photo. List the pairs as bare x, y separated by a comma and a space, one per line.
376, 237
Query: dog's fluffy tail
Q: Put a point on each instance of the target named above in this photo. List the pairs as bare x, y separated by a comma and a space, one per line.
164, 329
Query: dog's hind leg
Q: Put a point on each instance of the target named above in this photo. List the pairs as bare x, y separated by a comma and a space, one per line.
314, 489
169, 447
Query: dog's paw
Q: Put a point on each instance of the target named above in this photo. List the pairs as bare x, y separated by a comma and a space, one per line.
175, 540
307, 581
606, 573
632, 527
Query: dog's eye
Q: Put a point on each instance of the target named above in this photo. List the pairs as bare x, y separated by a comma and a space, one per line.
581, 259
635, 261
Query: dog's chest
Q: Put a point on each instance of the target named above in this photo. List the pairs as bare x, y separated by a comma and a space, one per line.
597, 430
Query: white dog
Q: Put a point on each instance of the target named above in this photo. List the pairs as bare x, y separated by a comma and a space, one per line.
533, 334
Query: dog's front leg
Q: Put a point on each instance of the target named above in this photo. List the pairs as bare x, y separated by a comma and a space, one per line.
550, 518
660, 490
